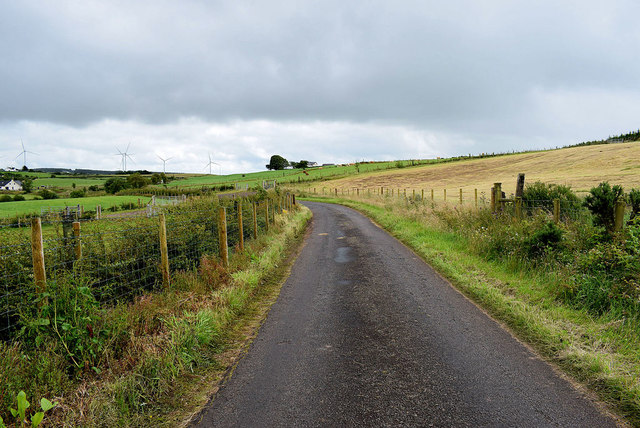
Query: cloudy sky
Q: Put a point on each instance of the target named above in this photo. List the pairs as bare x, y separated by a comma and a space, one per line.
327, 81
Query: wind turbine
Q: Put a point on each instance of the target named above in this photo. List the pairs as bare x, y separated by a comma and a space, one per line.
125, 155
24, 153
164, 161
212, 163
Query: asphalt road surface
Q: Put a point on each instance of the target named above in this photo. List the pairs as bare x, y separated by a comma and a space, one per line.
364, 333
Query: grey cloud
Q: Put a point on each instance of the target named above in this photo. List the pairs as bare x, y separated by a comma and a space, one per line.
425, 62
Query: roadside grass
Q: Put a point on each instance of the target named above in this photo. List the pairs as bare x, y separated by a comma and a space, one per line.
602, 352
164, 351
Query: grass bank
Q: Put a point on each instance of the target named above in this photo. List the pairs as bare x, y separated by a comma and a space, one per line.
602, 351
158, 358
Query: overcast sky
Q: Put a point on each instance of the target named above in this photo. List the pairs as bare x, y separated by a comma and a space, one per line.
326, 81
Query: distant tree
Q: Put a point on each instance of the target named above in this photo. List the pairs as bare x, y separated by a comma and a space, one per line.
77, 194
155, 178
303, 164
137, 181
115, 184
47, 194
27, 185
24, 168
277, 163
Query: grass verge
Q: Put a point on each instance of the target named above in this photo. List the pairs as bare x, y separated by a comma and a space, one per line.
166, 351
600, 353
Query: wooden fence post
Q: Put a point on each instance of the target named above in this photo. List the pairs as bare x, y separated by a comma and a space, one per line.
422, 197
76, 236
164, 252
518, 207
475, 191
460, 196
497, 197
37, 252
266, 215
432, 195
445, 194
240, 226
255, 220
619, 216
556, 210
293, 200
222, 236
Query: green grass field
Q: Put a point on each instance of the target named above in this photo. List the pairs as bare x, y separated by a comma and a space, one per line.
289, 175
68, 182
10, 209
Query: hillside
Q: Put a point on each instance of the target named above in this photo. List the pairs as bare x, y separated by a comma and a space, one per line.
579, 167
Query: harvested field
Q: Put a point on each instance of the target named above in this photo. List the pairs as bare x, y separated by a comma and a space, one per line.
579, 167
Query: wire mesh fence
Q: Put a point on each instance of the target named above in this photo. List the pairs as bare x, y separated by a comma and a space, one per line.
118, 258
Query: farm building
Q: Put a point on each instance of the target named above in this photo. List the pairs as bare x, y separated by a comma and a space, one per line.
10, 185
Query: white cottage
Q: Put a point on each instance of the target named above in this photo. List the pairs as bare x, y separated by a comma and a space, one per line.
15, 185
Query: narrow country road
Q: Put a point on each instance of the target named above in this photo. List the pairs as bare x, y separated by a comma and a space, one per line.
364, 333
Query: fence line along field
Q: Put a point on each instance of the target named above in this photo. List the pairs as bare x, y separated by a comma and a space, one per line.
579, 167
11, 209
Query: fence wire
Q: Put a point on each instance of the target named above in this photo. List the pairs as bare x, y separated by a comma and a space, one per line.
119, 258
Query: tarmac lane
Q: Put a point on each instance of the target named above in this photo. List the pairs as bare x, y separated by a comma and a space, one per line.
364, 333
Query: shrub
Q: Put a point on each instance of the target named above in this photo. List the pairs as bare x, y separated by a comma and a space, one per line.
18, 198
547, 237
634, 200
601, 201
6, 198
47, 194
539, 194
77, 194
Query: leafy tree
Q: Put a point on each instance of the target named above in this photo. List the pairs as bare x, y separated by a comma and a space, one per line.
137, 181
301, 165
155, 178
601, 201
115, 184
77, 194
27, 185
277, 163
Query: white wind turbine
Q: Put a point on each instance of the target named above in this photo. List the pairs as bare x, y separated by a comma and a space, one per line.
212, 163
24, 154
164, 162
125, 155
